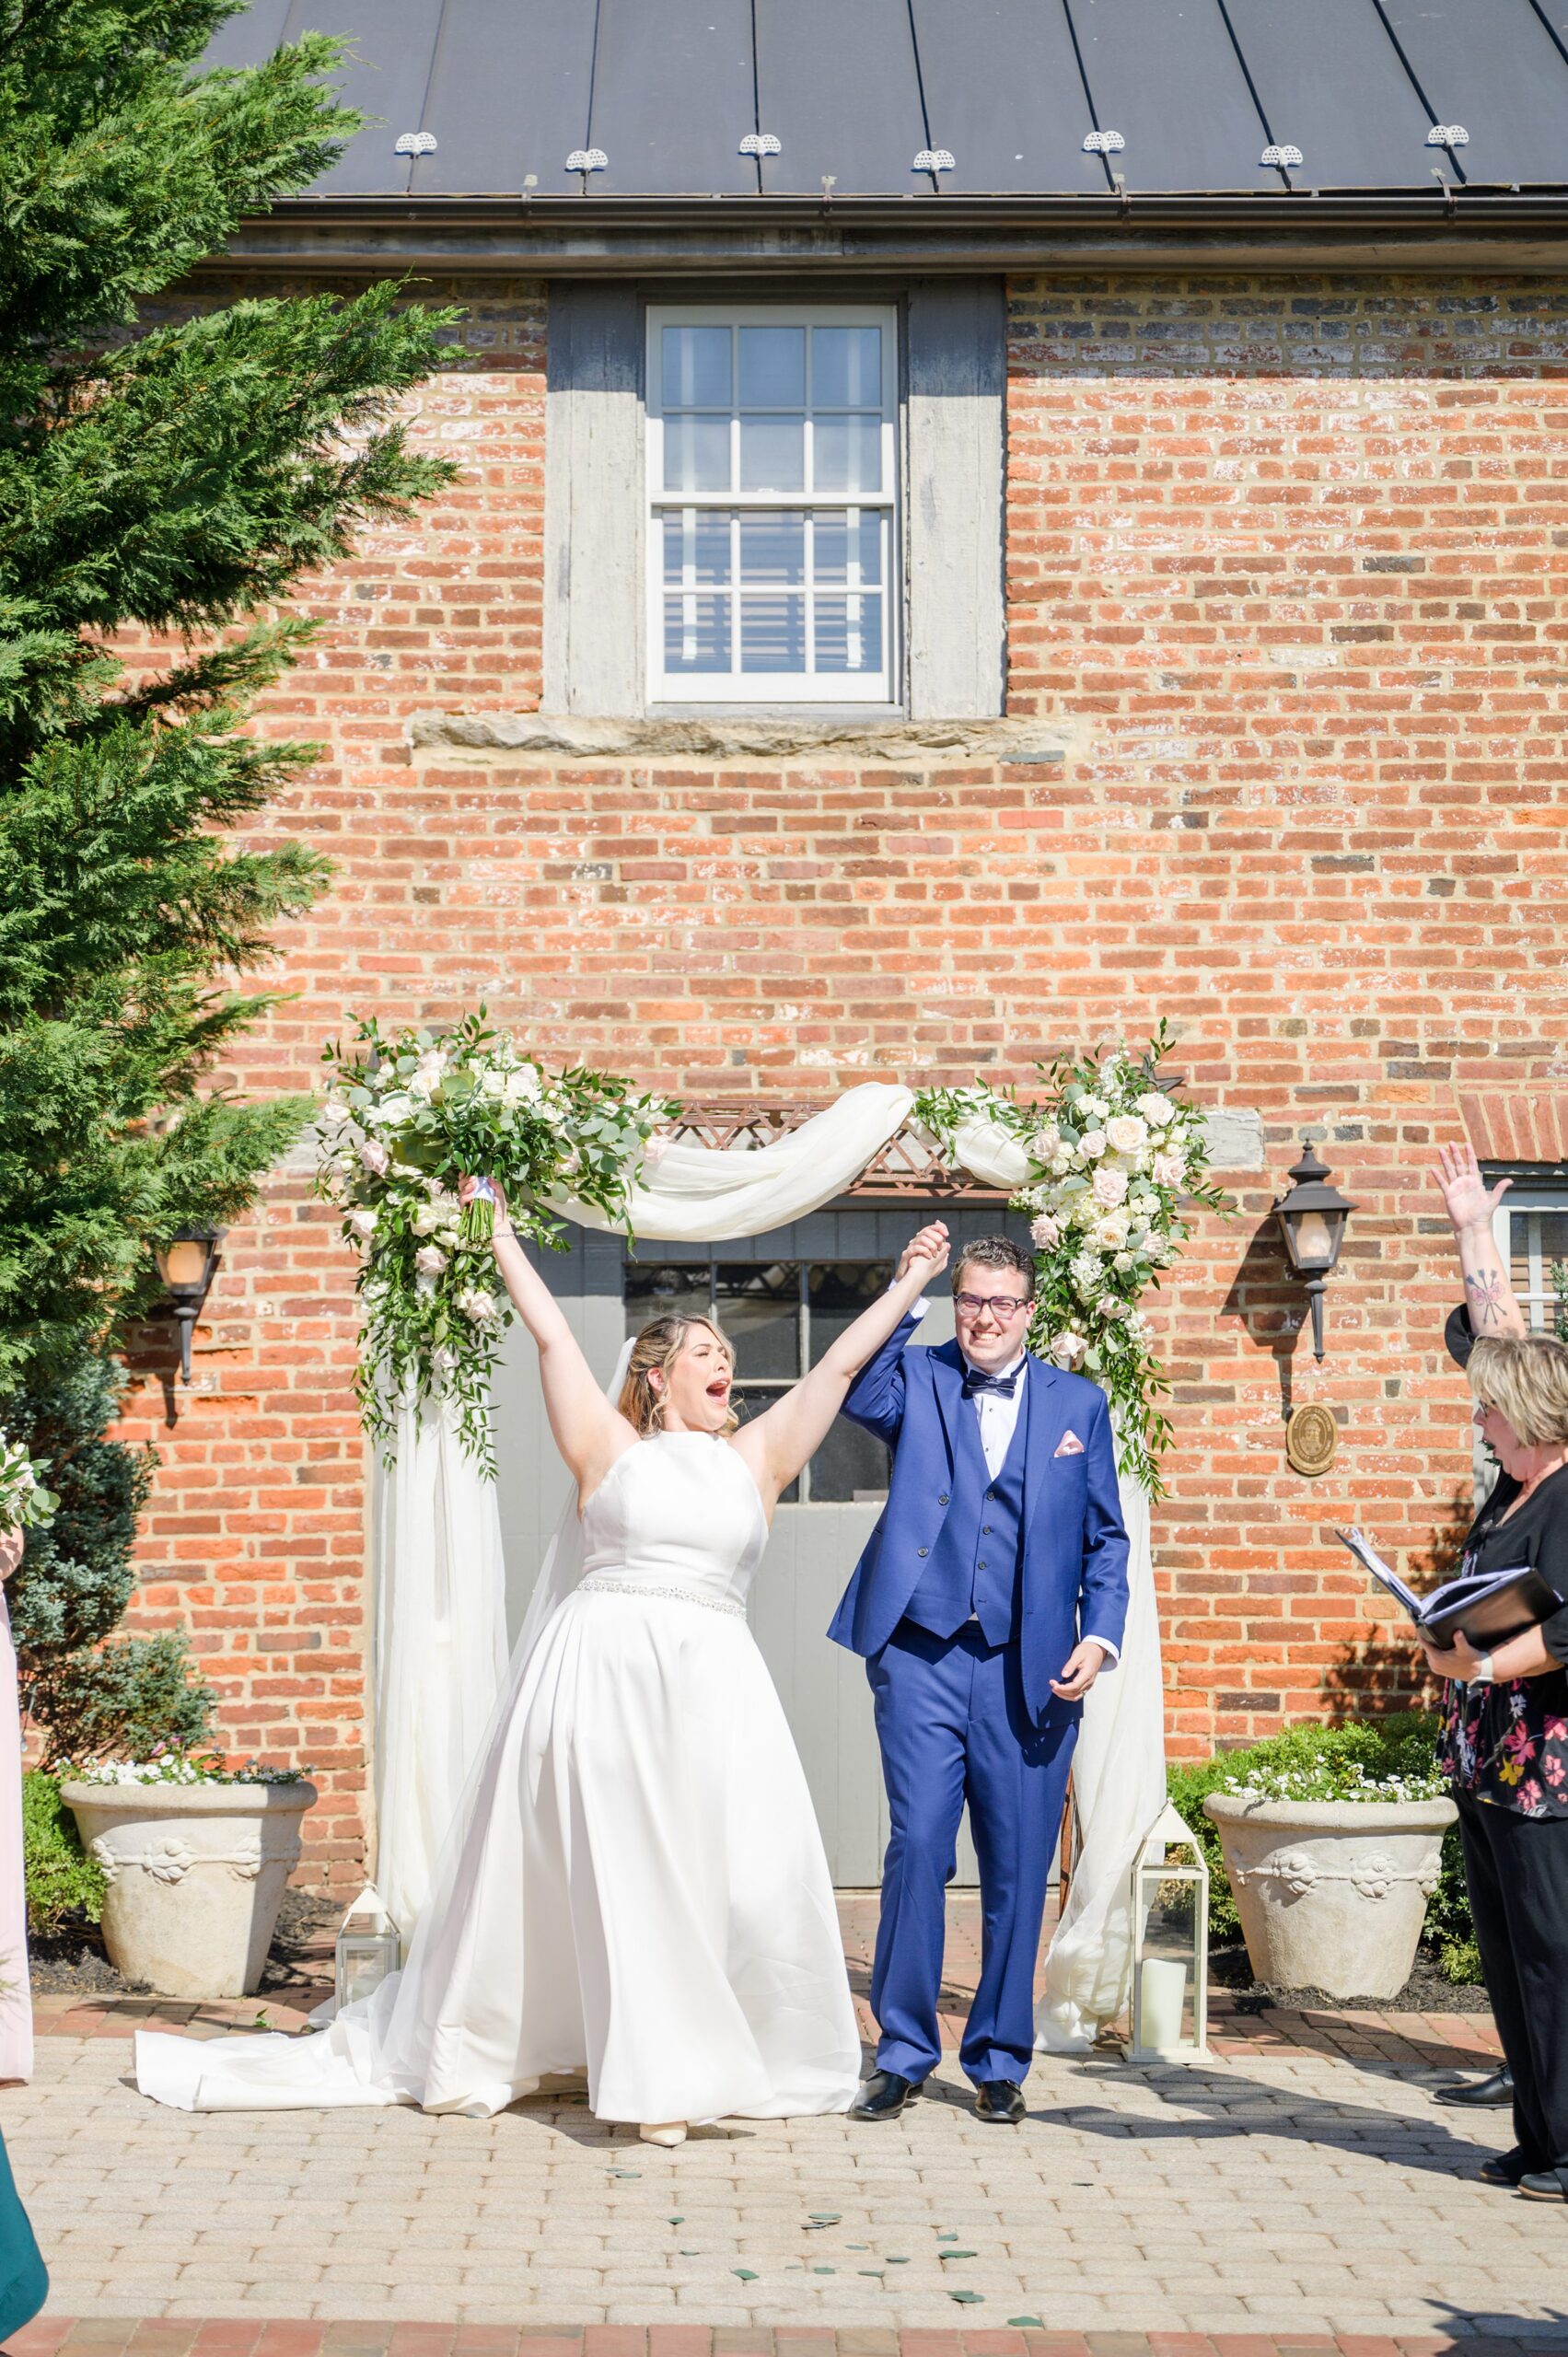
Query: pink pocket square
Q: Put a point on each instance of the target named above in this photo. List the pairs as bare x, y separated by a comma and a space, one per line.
1069, 1444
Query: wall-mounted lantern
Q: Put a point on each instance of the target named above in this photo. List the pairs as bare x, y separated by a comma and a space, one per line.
1312, 1221
186, 1263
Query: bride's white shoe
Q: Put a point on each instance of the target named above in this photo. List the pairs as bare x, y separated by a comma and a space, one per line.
670, 2133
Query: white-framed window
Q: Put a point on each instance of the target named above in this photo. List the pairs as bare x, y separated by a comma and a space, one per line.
772, 472
1531, 1228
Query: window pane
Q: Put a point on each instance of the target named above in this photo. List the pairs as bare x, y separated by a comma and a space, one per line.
846, 368
772, 453
847, 454
662, 1289
696, 632
772, 367
850, 1464
772, 633
836, 1291
772, 547
696, 454
696, 548
696, 367
841, 541
759, 1308
849, 633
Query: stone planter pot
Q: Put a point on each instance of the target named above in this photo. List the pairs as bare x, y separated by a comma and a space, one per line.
1331, 1894
196, 1874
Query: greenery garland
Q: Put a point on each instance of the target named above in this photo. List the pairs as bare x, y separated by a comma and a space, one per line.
1105, 1157
1111, 1155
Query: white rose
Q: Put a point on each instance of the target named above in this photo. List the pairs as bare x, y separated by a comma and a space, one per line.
492, 1083
375, 1157
1126, 1133
443, 1358
522, 1086
363, 1221
1110, 1233
1091, 1145
1108, 1186
396, 1109
1091, 1108
430, 1260
478, 1305
334, 1113
1170, 1170
1068, 1349
1155, 1109
427, 1219
1123, 1261
1046, 1232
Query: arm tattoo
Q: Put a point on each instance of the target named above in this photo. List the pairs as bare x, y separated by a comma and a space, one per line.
1486, 1297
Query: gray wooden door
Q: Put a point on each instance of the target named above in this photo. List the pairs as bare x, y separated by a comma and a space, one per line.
814, 1543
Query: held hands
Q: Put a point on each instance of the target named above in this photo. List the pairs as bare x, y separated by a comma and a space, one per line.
1460, 1661
1079, 1671
927, 1252
1468, 1199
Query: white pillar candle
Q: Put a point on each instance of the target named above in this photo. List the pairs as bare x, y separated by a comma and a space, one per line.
1163, 1991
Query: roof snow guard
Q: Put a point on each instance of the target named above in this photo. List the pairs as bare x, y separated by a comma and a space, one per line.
1217, 121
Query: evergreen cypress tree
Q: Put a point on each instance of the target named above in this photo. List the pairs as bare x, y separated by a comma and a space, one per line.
180, 481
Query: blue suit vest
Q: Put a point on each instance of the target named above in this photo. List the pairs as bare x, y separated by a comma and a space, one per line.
974, 1565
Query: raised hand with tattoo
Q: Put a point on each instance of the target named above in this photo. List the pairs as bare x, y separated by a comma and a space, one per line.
1470, 1204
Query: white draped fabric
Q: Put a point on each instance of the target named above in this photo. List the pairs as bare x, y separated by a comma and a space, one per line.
440, 1647
1119, 1791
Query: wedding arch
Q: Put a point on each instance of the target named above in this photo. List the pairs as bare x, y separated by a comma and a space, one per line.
1107, 1159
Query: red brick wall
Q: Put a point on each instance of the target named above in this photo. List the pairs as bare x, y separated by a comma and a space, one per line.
1290, 556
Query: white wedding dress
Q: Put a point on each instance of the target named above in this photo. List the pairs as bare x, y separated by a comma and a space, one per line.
640, 1888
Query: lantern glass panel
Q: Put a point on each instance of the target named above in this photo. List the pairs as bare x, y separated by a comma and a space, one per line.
364, 1960
1315, 1239
183, 1262
1171, 1920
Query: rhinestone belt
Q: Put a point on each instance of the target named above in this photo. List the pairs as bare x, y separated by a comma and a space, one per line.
594, 1585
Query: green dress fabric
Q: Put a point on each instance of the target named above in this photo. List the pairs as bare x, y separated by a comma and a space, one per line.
23, 2279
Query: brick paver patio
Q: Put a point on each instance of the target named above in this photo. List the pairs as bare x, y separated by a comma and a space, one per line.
1299, 2191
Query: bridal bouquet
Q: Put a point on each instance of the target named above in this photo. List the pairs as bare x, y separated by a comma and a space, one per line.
407, 1115
25, 1501
1105, 1161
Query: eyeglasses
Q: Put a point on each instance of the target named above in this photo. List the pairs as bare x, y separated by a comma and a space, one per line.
1002, 1306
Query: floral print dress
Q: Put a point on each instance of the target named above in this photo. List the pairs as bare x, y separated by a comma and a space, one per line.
1508, 1744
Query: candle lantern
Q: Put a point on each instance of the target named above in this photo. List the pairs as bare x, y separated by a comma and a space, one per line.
1171, 1946
368, 1948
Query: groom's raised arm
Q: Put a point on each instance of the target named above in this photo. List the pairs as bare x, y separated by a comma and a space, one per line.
1102, 1606
875, 1398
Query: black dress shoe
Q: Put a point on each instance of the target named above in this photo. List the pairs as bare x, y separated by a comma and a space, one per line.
1502, 2169
883, 2095
1545, 2184
1478, 2094
999, 2099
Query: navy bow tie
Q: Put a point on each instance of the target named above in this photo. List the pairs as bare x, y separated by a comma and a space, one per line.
1003, 1385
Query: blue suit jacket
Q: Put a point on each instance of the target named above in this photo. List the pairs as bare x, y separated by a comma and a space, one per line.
1075, 1547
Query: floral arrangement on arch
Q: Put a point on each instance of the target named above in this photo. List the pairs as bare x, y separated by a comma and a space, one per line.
407, 1115
1107, 1159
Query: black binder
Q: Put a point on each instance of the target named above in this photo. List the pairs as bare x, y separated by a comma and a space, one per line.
1487, 1608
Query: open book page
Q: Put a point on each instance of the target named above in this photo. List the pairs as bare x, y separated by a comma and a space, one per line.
1384, 1573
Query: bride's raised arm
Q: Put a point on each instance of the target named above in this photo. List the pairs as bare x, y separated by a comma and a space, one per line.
776, 1444
589, 1431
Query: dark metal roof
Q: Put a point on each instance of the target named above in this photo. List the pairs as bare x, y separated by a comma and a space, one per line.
938, 99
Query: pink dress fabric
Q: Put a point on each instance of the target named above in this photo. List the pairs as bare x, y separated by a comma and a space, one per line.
16, 2002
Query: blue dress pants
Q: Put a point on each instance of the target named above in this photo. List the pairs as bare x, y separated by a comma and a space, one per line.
953, 1728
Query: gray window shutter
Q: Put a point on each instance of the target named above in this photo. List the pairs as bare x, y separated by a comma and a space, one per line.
593, 502
958, 378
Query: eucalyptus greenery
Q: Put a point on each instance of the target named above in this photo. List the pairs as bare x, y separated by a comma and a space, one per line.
1109, 1159
408, 1115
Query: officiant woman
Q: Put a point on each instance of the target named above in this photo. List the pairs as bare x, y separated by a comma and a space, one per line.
1503, 1741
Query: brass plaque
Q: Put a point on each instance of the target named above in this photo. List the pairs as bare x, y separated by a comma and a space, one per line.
1311, 1438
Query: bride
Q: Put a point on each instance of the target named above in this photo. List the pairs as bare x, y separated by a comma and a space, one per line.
637, 1885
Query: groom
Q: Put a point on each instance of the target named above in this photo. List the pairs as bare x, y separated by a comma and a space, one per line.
991, 1593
